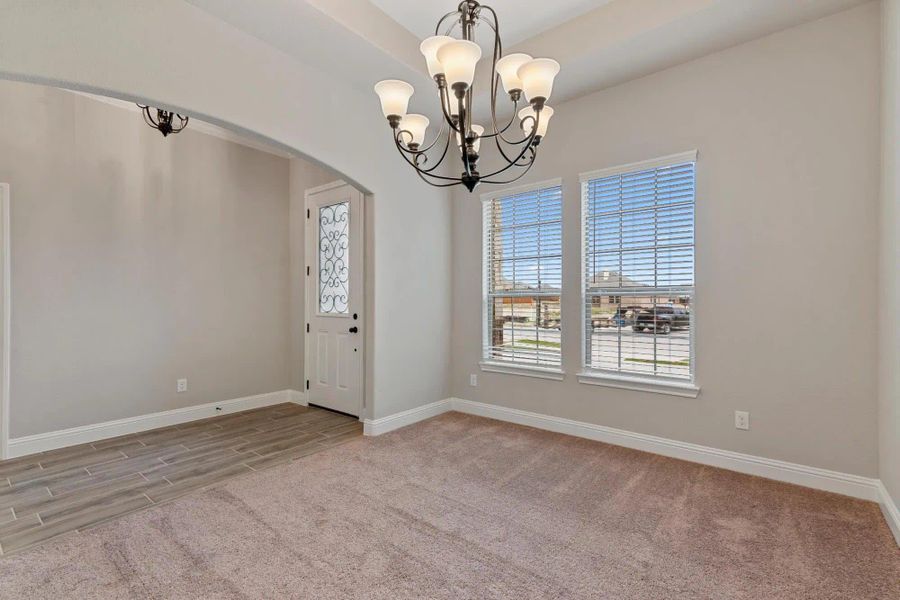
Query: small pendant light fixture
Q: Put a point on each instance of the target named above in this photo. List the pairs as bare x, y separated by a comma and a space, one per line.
164, 121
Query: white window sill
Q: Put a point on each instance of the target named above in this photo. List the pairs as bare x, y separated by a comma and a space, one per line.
640, 384
526, 370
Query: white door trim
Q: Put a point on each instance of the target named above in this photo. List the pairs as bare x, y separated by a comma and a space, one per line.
307, 296
7, 294
321, 188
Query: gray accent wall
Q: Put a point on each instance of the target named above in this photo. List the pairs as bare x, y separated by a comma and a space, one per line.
787, 129
137, 260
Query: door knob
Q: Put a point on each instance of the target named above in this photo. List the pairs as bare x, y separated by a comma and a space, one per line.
354, 329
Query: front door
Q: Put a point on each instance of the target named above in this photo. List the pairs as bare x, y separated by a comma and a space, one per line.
335, 298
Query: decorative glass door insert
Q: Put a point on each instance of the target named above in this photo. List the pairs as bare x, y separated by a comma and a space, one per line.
334, 254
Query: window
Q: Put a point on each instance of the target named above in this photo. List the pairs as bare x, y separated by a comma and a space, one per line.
639, 269
523, 276
334, 273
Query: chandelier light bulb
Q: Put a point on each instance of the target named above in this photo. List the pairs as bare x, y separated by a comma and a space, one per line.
458, 59
537, 77
478, 130
507, 69
394, 95
429, 49
528, 125
416, 126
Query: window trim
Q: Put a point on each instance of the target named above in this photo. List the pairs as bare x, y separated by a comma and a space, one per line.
656, 384
513, 368
509, 367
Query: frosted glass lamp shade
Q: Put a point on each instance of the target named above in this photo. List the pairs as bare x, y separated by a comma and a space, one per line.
507, 69
478, 130
528, 125
416, 126
429, 49
394, 95
458, 59
537, 77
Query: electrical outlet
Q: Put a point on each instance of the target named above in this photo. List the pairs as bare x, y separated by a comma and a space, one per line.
473, 380
741, 419
181, 385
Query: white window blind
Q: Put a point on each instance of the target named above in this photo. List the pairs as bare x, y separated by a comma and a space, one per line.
639, 269
523, 277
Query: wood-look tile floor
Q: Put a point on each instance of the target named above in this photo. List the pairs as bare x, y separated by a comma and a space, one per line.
48, 494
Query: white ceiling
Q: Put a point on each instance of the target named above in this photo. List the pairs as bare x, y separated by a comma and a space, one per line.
599, 43
519, 19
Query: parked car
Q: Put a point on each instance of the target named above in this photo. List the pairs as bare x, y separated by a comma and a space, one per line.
623, 317
662, 319
602, 321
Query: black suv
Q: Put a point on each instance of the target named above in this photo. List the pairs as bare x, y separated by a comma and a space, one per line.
662, 319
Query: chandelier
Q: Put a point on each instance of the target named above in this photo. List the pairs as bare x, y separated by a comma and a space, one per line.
164, 121
451, 63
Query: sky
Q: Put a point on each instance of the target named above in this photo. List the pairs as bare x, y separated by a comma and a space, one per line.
638, 224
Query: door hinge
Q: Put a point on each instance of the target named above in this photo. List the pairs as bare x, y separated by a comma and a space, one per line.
307, 271
307, 213
307, 328
307, 384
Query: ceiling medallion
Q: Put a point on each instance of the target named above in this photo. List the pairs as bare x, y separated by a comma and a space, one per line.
164, 121
451, 62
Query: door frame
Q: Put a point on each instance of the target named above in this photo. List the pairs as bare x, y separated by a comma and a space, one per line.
308, 295
5, 255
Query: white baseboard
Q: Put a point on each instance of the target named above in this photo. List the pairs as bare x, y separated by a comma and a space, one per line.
407, 417
52, 440
890, 510
812, 477
297, 397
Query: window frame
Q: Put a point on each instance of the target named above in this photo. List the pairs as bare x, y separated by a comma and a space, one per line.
618, 379
490, 364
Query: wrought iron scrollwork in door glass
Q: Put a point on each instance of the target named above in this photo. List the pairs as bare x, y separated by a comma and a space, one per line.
334, 258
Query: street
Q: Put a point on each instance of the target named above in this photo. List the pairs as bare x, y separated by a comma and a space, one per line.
670, 355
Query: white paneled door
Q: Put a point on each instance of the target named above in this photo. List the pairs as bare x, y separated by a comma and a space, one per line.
335, 298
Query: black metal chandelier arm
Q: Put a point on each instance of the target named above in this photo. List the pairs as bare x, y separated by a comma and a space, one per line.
498, 54
148, 119
436, 139
445, 109
437, 28
528, 139
440, 160
498, 133
439, 185
419, 171
522, 153
464, 143
420, 154
517, 177
506, 157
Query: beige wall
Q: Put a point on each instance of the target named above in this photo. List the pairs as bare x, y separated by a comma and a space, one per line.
889, 288
137, 260
408, 262
787, 195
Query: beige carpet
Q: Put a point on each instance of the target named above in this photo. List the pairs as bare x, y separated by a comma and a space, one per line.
462, 507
